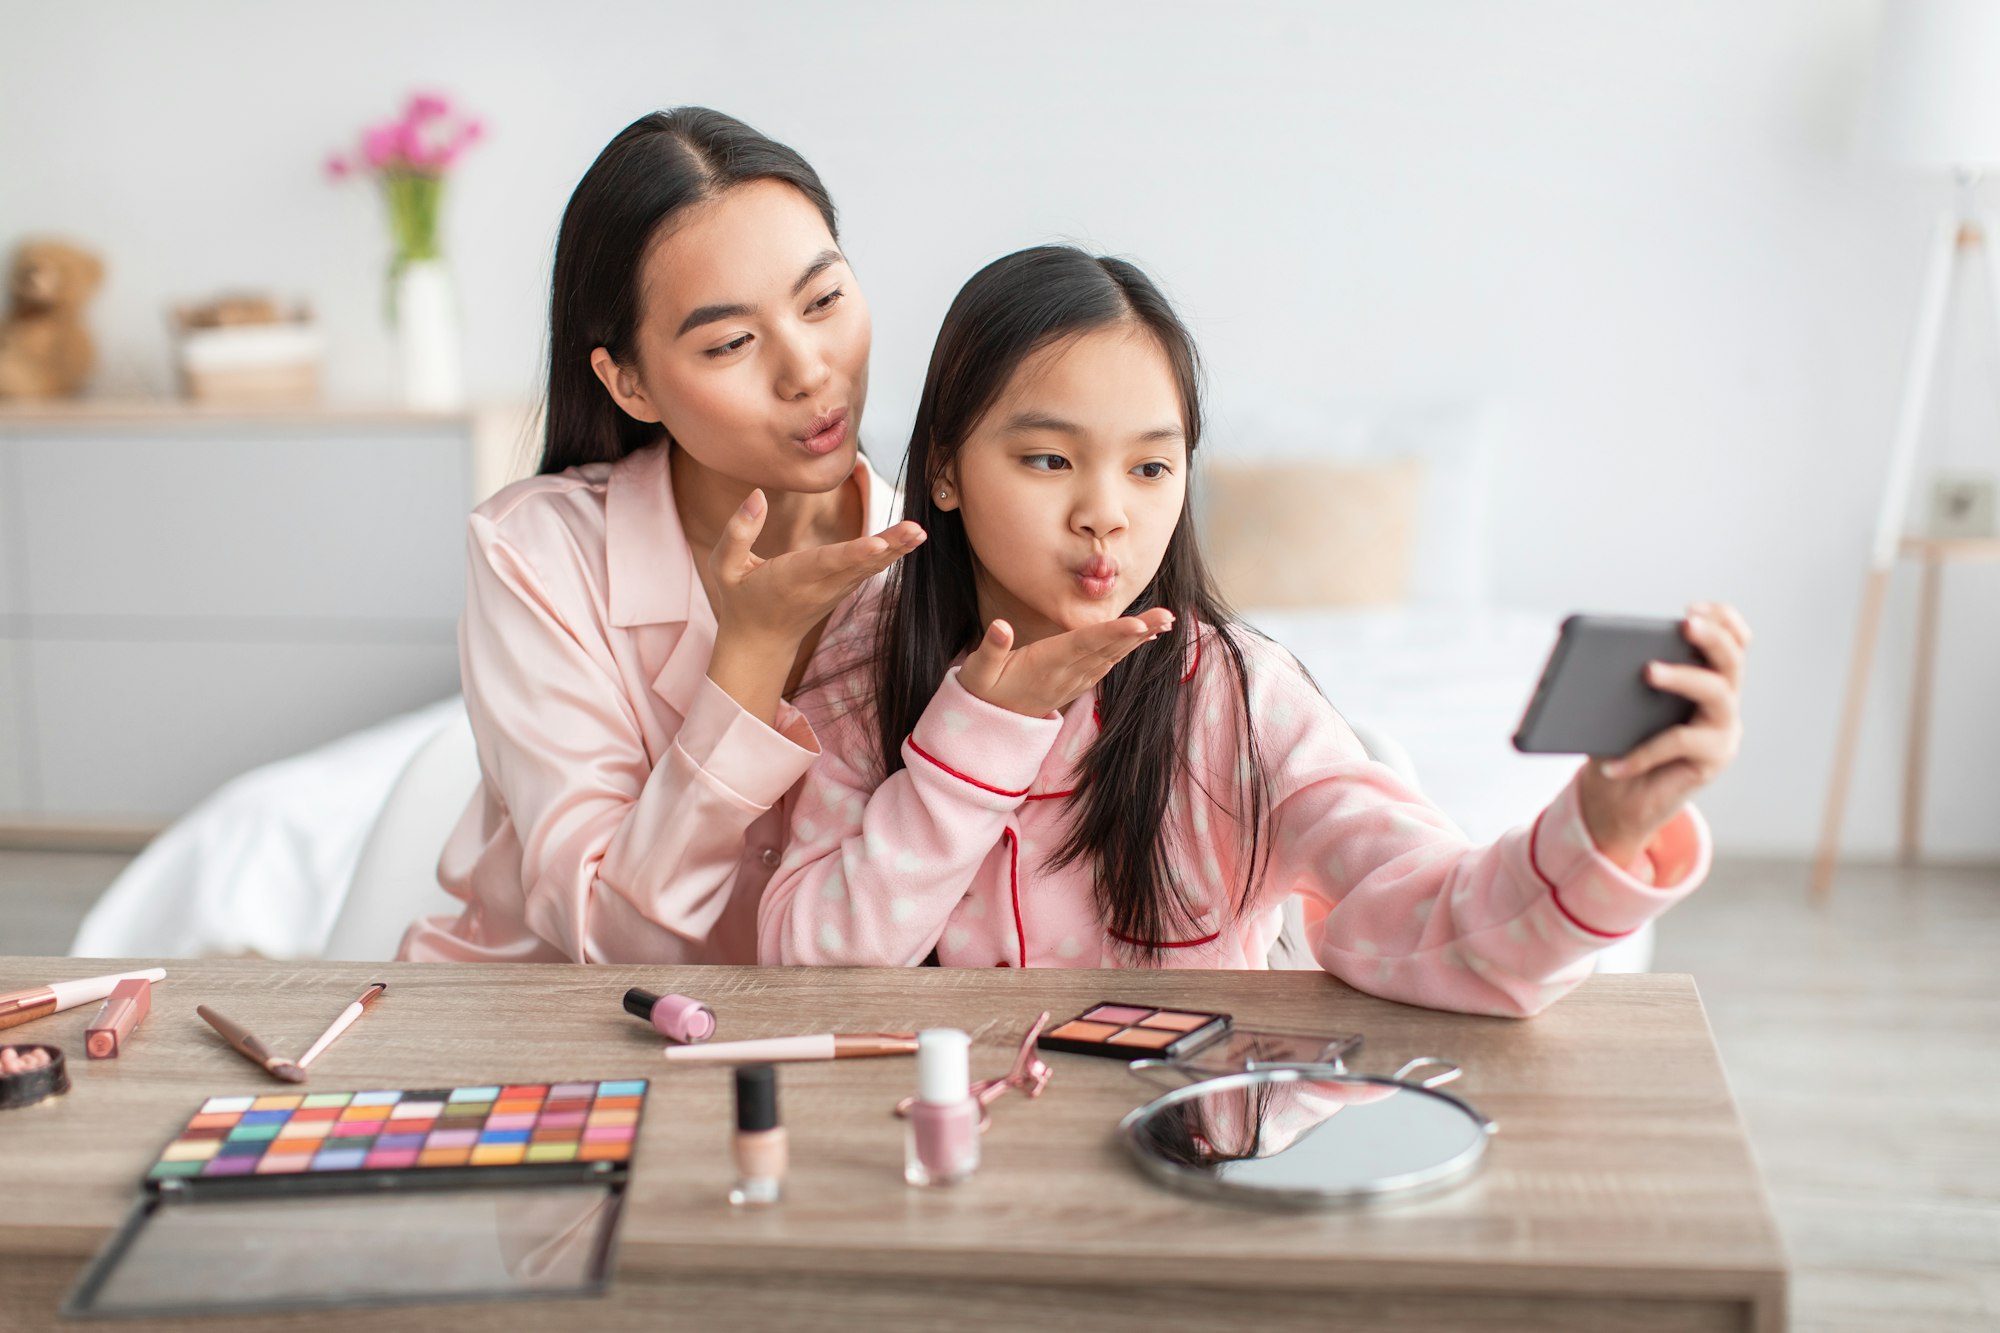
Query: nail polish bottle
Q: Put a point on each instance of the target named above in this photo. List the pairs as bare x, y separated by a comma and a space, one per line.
941, 1145
677, 1017
759, 1146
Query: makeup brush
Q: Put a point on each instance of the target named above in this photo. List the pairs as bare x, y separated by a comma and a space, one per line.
819, 1046
247, 1046
21, 1006
341, 1024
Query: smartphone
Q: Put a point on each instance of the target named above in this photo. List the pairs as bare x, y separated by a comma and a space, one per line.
1593, 697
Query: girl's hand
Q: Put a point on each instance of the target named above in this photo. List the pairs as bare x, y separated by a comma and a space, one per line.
1047, 676
1627, 800
773, 604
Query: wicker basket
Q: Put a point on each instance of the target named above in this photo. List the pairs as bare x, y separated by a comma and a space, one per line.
244, 351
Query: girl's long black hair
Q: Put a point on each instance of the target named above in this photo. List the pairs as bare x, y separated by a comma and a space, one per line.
657, 166
1011, 309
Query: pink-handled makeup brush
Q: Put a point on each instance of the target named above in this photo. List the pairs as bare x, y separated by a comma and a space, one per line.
345, 1021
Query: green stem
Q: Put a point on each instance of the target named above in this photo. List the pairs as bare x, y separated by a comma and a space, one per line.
414, 200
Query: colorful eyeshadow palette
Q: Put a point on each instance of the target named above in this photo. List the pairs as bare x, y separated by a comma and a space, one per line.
1134, 1032
326, 1200
324, 1137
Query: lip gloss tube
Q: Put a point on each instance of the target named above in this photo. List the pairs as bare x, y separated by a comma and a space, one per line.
941, 1144
759, 1146
129, 1004
676, 1017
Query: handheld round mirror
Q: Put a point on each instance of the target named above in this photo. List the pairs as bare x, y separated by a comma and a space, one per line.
1308, 1137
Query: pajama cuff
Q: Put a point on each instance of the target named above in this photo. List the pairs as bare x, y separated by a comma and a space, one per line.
736, 749
1600, 898
992, 751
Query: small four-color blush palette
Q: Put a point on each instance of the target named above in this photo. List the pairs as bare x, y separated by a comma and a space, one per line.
1135, 1032
293, 1134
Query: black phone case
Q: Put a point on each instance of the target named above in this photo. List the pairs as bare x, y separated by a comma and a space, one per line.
1593, 697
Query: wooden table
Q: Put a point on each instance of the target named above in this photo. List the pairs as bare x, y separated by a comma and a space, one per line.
1619, 1193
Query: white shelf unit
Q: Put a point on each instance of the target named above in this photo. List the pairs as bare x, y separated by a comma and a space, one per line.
187, 592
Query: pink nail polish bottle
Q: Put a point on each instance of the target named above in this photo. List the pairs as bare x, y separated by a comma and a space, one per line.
677, 1017
942, 1142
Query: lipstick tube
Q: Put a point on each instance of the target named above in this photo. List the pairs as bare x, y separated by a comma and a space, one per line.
941, 1142
129, 1004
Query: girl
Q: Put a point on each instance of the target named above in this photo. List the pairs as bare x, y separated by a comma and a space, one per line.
636, 613
1063, 752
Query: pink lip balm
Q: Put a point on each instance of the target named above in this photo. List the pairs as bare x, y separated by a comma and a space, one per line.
677, 1017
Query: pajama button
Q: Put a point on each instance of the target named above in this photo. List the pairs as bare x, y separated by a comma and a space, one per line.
769, 856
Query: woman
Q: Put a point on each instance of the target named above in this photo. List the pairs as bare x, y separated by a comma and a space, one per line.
637, 612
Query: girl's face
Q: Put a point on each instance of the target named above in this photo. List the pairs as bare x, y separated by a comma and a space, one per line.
1072, 483
752, 346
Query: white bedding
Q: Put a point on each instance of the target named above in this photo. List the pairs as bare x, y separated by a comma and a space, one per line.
1450, 686
263, 865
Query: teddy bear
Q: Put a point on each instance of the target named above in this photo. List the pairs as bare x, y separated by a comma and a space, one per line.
45, 349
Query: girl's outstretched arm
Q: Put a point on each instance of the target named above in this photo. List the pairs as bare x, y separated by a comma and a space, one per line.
1412, 910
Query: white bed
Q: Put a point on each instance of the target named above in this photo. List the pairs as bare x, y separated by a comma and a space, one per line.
263, 865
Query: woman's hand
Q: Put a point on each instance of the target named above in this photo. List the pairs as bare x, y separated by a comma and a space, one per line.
1053, 673
777, 601
765, 608
1627, 800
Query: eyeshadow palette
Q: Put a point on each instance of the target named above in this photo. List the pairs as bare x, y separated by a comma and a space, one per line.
440, 1130
1134, 1032
295, 1201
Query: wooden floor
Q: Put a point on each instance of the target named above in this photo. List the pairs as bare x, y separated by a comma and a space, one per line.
1861, 1040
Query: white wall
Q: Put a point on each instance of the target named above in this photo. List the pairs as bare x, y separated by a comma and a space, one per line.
1641, 226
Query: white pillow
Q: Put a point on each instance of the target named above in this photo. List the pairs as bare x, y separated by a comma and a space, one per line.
1456, 439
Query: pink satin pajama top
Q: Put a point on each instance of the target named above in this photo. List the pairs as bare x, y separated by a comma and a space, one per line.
629, 810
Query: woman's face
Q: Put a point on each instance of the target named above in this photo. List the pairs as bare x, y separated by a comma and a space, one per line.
1072, 483
752, 346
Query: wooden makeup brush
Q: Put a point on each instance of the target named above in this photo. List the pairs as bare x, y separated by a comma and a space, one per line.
247, 1046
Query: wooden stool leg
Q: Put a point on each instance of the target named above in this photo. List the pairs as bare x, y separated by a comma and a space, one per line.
1874, 592
1920, 711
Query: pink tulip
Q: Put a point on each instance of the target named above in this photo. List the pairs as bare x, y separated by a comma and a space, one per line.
379, 145
470, 132
428, 139
410, 144
429, 157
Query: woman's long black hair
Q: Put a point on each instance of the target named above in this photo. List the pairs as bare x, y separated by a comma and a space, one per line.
1011, 309
655, 167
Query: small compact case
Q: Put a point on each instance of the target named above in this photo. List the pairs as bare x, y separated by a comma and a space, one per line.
29, 1086
1135, 1032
